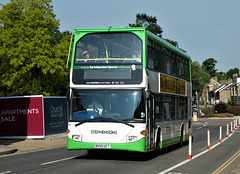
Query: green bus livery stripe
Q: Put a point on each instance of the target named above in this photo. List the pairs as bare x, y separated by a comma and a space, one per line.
139, 146
108, 67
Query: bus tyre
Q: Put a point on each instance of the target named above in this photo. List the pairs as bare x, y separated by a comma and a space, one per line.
158, 148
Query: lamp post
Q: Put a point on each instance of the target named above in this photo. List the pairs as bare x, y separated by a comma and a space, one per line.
197, 103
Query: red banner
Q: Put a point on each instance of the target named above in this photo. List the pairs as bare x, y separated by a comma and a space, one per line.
22, 117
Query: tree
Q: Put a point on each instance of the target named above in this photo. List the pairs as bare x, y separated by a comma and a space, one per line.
221, 76
209, 65
174, 43
230, 73
33, 51
150, 22
200, 78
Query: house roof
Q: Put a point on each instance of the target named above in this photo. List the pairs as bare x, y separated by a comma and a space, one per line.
218, 89
215, 81
226, 86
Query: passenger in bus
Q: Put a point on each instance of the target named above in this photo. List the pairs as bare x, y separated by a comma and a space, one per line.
139, 55
85, 54
95, 105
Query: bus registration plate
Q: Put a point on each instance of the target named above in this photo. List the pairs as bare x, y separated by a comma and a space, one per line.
102, 146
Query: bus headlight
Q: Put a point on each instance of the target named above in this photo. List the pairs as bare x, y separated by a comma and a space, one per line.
76, 137
132, 138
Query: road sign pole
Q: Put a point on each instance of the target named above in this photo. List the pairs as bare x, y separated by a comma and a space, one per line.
208, 136
190, 147
220, 134
227, 129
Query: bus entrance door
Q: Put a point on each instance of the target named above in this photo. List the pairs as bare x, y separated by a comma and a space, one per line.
150, 123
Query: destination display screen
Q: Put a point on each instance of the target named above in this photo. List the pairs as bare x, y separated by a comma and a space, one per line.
107, 75
172, 85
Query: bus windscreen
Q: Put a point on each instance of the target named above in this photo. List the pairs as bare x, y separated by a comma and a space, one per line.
120, 47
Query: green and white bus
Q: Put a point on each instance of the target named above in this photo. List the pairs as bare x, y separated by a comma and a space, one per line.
129, 90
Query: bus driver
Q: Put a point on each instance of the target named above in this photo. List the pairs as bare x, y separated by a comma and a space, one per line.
95, 105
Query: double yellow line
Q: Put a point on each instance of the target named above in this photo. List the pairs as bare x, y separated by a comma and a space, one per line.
227, 163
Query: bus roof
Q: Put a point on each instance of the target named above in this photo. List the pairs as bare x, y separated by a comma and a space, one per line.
110, 29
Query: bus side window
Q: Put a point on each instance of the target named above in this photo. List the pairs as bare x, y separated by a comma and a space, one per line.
182, 108
173, 105
158, 108
166, 111
186, 70
150, 54
158, 61
174, 67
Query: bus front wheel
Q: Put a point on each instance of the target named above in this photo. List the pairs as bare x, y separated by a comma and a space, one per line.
158, 148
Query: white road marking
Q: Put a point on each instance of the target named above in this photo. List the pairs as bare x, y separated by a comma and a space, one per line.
186, 161
205, 124
56, 161
6, 172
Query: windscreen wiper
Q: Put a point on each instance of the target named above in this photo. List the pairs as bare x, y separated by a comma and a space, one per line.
117, 121
105, 118
84, 121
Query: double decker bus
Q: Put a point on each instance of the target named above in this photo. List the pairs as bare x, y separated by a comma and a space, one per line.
129, 90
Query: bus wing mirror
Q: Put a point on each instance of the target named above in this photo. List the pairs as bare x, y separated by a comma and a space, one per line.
146, 94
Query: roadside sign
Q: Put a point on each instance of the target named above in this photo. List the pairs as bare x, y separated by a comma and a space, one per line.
194, 116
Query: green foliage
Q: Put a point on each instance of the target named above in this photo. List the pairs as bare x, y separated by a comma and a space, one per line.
235, 110
200, 78
150, 22
209, 66
229, 74
174, 43
209, 112
221, 76
221, 108
33, 51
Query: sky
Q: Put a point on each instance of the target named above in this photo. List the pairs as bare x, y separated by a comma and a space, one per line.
204, 28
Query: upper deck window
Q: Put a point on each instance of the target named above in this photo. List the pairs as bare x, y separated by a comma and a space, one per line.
114, 47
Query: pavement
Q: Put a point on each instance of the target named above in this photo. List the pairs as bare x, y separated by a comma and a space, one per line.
8, 146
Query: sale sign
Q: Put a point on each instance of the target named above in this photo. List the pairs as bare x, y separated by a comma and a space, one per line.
22, 117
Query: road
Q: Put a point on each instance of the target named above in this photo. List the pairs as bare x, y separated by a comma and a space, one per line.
62, 161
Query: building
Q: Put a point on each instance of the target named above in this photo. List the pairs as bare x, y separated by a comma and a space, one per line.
223, 91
